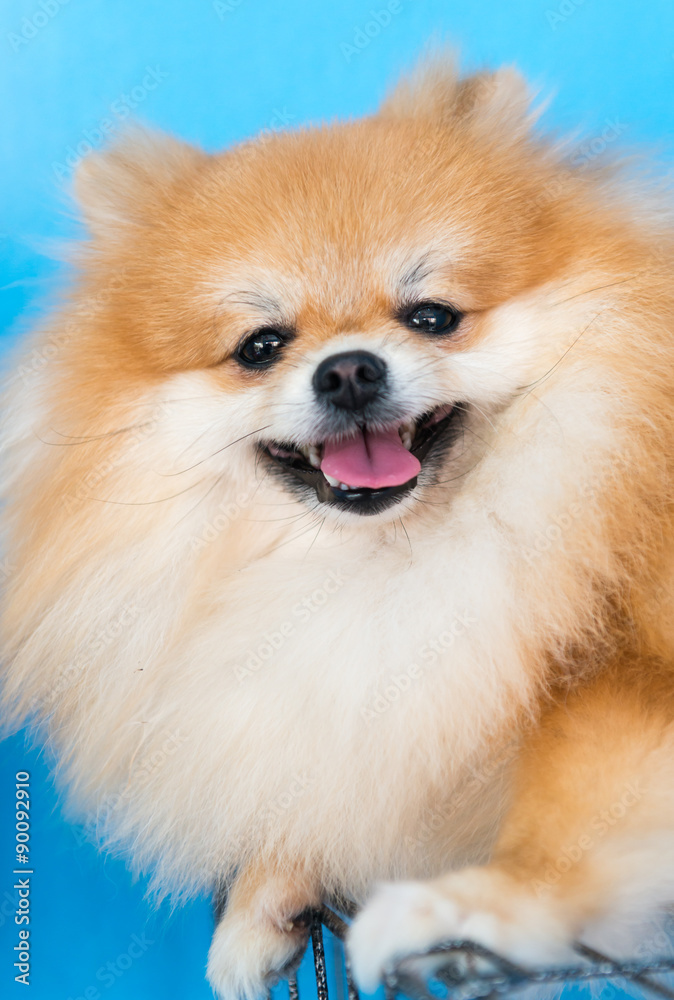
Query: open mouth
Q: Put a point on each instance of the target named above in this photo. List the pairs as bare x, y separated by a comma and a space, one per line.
371, 470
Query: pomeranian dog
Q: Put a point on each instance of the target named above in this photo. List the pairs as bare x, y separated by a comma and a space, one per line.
339, 534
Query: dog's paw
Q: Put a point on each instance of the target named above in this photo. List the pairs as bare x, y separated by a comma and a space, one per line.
477, 904
248, 954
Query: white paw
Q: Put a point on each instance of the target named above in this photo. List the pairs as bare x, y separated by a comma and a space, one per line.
477, 905
247, 954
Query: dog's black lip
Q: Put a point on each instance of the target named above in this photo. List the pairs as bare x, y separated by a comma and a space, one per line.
364, 500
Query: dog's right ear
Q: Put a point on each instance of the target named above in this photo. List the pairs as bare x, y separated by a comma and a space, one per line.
122, 187
494, 102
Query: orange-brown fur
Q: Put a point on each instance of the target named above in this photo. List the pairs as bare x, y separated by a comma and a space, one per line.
588, 702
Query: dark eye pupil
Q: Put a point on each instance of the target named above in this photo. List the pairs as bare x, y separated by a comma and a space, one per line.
432, 318
429, 318
261, 348
266, 345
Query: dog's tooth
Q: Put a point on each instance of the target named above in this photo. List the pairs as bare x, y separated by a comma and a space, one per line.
343, 486
407, 431
314, 456
333, 482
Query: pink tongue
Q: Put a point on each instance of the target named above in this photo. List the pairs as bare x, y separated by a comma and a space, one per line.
371, 459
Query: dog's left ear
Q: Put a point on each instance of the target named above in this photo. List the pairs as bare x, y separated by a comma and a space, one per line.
123, 187
497, 103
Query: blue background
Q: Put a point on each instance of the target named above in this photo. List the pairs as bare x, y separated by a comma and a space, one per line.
219, 72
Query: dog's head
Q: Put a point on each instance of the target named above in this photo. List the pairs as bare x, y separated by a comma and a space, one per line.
364, 299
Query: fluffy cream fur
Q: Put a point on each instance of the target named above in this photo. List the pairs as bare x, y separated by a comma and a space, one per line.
234, 679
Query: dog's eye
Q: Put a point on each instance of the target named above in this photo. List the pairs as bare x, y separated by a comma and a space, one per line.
261, 348
433, 317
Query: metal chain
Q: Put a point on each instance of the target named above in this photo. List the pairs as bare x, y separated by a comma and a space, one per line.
469, 971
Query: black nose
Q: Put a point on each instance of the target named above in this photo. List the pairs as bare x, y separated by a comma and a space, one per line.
350, 380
